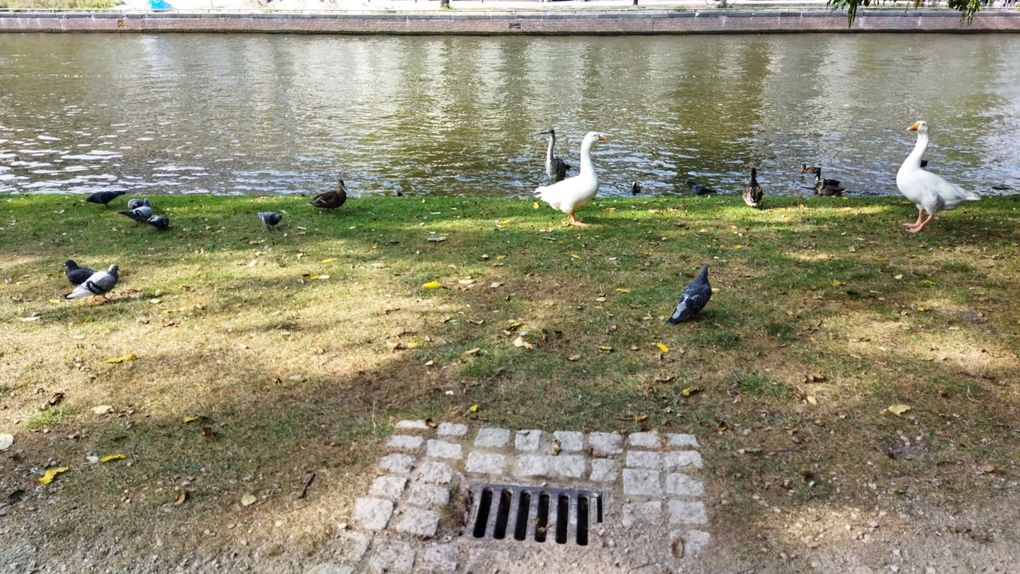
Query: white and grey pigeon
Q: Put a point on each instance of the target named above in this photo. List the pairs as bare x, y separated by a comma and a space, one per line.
140, 214
99, 283
694, 298
270, 218
138, 202
77, 275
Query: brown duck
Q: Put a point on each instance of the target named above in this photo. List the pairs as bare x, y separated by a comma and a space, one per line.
828, 187
331, 199
753, 193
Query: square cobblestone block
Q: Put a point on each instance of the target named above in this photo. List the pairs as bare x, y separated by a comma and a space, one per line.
411, 425
687, 512
492, 438
603, 470
569, 465
451, 429
372, 513
405, 442
642, 513
427, 495
644, 440
644, 459
486, 463
695, 541
352, 546
681, 459
604, 444
528, 440
397, 463
641, 482
443, 449
434, 472
440, 558
389, 486
417, 522
682, 441
679, 484
392, 557
570, 441
533, 465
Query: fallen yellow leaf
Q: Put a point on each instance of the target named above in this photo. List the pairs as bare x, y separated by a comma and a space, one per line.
121, 359
112, 457
836, 282
431, 285
248, 500
51, 473
688, 391
535, 205
898, 409
190, 419
328, 260
55, 301
473, 408
622, 290
181, 498
575, 256
662, 347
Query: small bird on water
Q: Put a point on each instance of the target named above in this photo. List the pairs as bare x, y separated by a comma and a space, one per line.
76, 275
99, 283
104, 197
270, 218
694, 298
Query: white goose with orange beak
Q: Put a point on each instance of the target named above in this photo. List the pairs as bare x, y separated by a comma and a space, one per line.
929, 192
575, 192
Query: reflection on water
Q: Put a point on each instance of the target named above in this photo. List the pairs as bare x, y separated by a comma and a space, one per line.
458, 115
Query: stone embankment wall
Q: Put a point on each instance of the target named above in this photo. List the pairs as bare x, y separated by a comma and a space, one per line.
643, 22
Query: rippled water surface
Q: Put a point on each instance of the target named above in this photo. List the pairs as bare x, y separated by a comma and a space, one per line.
431, 115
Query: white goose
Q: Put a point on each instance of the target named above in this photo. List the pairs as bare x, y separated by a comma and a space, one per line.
575, 192
929, 192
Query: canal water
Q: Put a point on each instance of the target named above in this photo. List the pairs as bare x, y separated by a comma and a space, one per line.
266, 114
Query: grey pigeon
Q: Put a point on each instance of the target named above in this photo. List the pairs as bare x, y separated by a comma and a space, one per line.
136, 203
104, 197
694, 298
635, 188
698, 189
140, 214
270, 218
99, 283
77, 275
160, 222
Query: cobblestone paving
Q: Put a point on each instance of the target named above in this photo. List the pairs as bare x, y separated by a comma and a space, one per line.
650, 481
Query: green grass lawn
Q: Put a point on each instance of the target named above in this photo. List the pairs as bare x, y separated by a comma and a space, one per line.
263, 355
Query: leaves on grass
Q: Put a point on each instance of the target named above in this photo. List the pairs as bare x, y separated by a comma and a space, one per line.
181, 498
328, 260
6, 440
520, 342
121, 359
606, 348
574, 358
51, 474
112, 457
691, 391
187, 420
473, 408
248, 499
662, 347
436, 238
431, 285
473, 352
898, 409
102, 409
622, 290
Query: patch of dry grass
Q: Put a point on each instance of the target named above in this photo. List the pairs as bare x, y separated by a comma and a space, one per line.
285, 373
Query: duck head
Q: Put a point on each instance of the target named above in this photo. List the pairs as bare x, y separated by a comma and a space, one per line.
548, 132
920, 126
595, 136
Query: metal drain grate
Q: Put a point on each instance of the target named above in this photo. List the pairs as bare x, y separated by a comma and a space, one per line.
502, 511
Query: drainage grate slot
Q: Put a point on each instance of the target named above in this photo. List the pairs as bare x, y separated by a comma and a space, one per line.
482, 520
534, 513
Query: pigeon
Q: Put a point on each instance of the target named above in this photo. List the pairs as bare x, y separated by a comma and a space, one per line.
104, 197
753, 193
331, 199
160, 222
270, 218
136, 203
694, 298
698, 189
635, 188
99, 283
140, 214
77, 275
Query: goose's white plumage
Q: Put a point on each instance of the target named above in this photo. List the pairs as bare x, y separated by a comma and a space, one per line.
929, 192
575, 192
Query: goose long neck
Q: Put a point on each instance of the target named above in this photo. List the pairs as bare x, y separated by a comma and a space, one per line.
914, 159
586, 166
549, 149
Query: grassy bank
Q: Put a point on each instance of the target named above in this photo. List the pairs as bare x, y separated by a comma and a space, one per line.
264, 355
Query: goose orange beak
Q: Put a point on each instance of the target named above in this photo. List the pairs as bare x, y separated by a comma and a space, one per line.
914, 127
602, 137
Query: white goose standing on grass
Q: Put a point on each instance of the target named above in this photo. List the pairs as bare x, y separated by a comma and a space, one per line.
575, 192
929, 192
